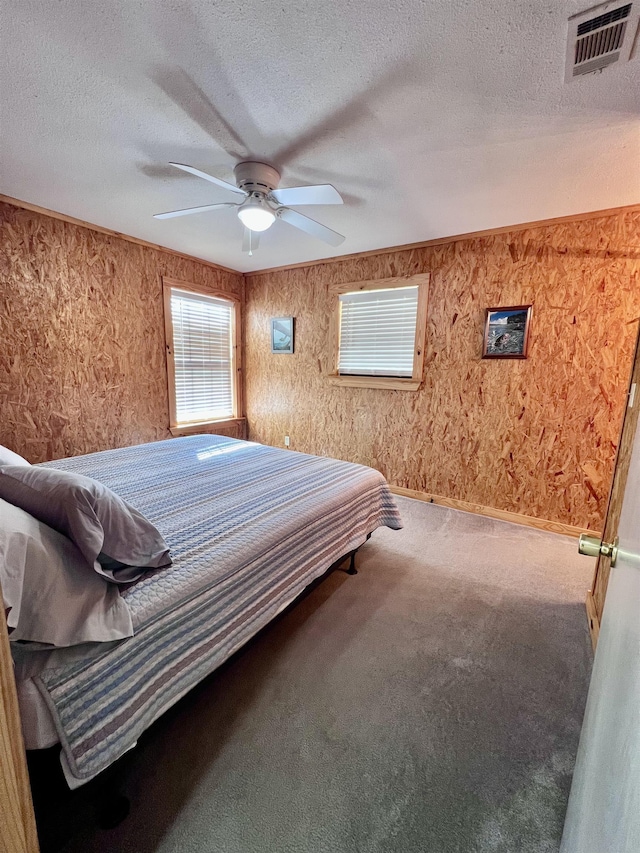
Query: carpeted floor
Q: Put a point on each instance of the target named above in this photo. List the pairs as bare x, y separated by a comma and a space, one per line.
430, 703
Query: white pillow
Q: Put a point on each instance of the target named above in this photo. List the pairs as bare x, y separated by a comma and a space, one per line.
8, 457
51, 594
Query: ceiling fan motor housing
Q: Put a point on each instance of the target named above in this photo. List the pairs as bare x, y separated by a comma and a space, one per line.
255, 177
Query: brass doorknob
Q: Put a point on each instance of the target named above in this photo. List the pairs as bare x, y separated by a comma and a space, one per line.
591, 546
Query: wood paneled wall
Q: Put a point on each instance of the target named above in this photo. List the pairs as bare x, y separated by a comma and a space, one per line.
82, 363
82, 349
535, 437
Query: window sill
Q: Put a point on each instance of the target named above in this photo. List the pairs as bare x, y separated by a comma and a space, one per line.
384, 382
205, 426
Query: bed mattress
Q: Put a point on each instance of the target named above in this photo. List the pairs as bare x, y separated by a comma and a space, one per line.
249, 528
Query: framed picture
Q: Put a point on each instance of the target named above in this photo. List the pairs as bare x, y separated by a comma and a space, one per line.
282, 334
506, 332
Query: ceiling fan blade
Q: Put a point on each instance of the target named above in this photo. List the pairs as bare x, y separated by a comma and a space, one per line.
319, 194
224, 184
189, 210
298, 220
250, 241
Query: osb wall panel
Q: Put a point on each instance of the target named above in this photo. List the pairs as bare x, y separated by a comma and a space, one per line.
82, 350
534, 436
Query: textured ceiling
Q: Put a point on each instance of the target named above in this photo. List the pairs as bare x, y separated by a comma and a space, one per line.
431, 118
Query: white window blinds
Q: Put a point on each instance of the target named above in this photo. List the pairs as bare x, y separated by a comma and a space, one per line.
202, 356
378, 332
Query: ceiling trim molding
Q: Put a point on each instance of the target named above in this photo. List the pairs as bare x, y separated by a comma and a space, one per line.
25, 205
440, 241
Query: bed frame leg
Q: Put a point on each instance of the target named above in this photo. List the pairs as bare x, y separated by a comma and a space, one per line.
113, 810
352, 564
352, 560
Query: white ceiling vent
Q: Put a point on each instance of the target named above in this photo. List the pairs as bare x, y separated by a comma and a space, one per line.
600, 36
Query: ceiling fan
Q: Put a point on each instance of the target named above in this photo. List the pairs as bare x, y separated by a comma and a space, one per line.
263, 202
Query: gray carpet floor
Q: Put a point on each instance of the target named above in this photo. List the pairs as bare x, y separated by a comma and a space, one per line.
432, 702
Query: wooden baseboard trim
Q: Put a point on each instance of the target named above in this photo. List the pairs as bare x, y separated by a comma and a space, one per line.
592, 617
501, 514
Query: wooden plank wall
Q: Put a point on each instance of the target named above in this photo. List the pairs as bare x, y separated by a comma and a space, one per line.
82, 350
535, 437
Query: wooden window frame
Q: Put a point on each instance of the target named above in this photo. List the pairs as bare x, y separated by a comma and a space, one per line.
236, 357
421, 280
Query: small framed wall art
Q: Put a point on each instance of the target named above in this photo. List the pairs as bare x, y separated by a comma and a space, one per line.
282, 335
506, 332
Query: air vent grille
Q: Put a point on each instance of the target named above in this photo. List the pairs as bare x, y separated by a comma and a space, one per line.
598, 40
604, 20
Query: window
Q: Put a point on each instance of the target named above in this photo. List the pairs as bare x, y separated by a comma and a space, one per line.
379, 332
201, 355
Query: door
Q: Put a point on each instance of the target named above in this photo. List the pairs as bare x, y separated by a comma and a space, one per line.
604, 806
598, 591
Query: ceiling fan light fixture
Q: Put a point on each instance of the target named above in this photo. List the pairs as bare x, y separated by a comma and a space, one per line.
256, 214
263, 202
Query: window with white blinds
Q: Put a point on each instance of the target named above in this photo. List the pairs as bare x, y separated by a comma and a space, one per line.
202, 356
378, 332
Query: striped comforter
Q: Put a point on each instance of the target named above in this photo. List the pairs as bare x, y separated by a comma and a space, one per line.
249, 528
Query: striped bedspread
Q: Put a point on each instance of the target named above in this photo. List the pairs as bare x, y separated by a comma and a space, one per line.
249, 528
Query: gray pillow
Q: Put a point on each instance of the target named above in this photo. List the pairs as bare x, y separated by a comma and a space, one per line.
115, 539
48, 590
8, 457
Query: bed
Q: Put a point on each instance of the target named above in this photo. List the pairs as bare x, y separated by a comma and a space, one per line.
249, 528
